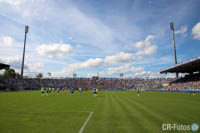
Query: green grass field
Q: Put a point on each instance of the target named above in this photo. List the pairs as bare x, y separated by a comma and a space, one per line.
113, 112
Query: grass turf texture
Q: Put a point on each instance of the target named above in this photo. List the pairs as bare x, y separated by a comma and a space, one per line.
114, 112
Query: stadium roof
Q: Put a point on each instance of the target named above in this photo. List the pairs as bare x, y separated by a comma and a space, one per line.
2, 66
192, 65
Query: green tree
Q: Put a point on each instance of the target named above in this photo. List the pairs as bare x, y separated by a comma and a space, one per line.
9, 73
39, 75
17, 75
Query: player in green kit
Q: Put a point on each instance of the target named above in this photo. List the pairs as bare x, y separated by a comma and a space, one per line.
194, 92
42, 91
96, 91
53, 89
49, 90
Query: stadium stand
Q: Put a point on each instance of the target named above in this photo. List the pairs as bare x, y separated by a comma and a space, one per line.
3, 84
85, 83
190, 66
3, 66
191, 69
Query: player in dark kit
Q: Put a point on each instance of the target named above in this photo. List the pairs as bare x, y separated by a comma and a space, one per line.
47, 91
72, 91
138, 92
94, 91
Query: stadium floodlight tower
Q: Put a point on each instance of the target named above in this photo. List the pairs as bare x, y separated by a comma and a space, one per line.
22, 69
174, 44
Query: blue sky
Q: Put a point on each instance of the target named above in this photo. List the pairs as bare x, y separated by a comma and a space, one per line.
86, 36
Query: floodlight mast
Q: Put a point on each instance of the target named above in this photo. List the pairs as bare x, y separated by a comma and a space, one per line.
22, 69
174, 44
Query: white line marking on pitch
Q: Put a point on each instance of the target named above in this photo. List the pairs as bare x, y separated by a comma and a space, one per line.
85, 123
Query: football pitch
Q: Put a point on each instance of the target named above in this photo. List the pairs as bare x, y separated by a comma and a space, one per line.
108, 112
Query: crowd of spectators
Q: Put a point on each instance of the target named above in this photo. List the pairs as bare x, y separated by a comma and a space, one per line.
85, 83
187, 82
100, 83
186, 85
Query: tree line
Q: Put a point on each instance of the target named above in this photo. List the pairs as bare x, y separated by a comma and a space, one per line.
11, 73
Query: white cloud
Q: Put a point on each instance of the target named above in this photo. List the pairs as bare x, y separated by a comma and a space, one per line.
72, 68
54, 50
108, 60
123, 69
6, 40
146, 42
92, 63
119, 58
127, 69
196, 31
148, 50
182, 30
139, 44
144, 74
146, 47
